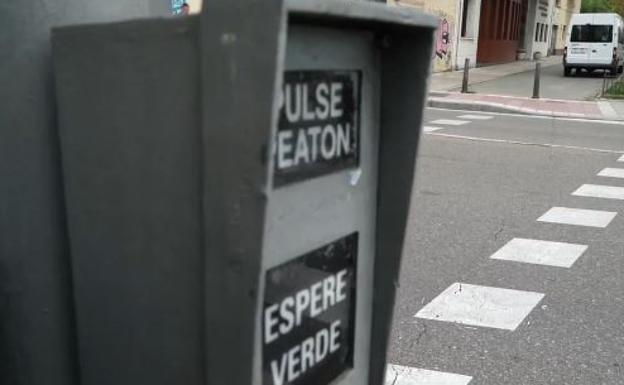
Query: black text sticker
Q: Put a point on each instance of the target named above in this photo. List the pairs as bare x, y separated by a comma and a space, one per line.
308, 316
318, 131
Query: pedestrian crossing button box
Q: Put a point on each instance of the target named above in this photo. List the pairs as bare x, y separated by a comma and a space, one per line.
240, 182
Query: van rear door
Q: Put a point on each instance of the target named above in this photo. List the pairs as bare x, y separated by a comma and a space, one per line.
593, 43
579, 49
603, 41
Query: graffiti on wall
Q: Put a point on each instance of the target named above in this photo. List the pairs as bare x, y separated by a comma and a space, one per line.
443, 42
443, 39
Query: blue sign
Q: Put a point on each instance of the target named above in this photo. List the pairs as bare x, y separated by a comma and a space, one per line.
176, 6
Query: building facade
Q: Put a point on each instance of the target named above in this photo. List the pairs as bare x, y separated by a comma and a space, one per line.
564, 9
496, 31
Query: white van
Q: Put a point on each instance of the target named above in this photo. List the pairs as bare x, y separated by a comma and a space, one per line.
594, 41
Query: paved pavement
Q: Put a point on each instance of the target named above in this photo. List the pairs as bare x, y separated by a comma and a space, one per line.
553, 85
509, 87
514, 257
452, 80
546, 107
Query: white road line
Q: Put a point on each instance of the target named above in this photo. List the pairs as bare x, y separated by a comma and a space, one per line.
570, 119
558, 254
404, 375
578, 217
612, 172
450, 122
621, 159
475, 117
505, 141
431, 128
607, 111
598, 191
481, 306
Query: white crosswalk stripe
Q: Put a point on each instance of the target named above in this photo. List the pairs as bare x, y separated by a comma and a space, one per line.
431, 128
612, 172
475, 117
405, 375
598, 191
578, 217
449, 122
481, 306
558, 254
621, 159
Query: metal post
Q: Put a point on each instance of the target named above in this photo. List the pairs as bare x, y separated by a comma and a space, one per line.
536, 83
465, 80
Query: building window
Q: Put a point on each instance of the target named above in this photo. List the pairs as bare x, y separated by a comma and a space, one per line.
469, 13
541, 32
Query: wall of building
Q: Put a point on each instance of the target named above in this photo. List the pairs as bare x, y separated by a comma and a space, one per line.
539, 28
447, 38
195, 5
468, 43
564, 9
501, 31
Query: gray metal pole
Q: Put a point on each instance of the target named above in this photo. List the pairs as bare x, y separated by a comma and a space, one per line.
465, 80
536, 82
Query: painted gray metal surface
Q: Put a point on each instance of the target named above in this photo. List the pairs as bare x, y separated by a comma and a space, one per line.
36, 341
129, 118
363, 13
242, 50
401, 121
304, 216
166, 136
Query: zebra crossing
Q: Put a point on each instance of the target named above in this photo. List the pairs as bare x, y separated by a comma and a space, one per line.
440, 124
503, 308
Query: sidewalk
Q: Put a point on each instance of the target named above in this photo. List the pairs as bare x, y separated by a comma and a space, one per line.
452, 80
444, 87
601, 110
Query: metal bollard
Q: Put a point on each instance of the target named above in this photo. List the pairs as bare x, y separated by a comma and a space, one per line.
464, 89
536, 82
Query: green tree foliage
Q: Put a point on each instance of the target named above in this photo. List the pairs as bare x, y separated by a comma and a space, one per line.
593, 6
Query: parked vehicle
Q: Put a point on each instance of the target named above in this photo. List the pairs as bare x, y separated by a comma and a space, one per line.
594, 41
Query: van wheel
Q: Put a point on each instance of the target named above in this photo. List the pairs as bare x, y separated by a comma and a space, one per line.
567, 71
620, 69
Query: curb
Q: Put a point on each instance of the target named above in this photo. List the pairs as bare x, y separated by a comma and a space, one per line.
437, 102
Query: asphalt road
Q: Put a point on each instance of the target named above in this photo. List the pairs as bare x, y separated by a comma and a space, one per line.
554, 85
479, 185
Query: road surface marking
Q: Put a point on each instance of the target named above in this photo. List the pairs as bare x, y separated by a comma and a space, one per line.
607, 111
598, 191
558, 254
612, 172
548, 145
481, 306
578, 217
475, 117
431, 128
516, 115
404, 375
450, 122
621, 159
